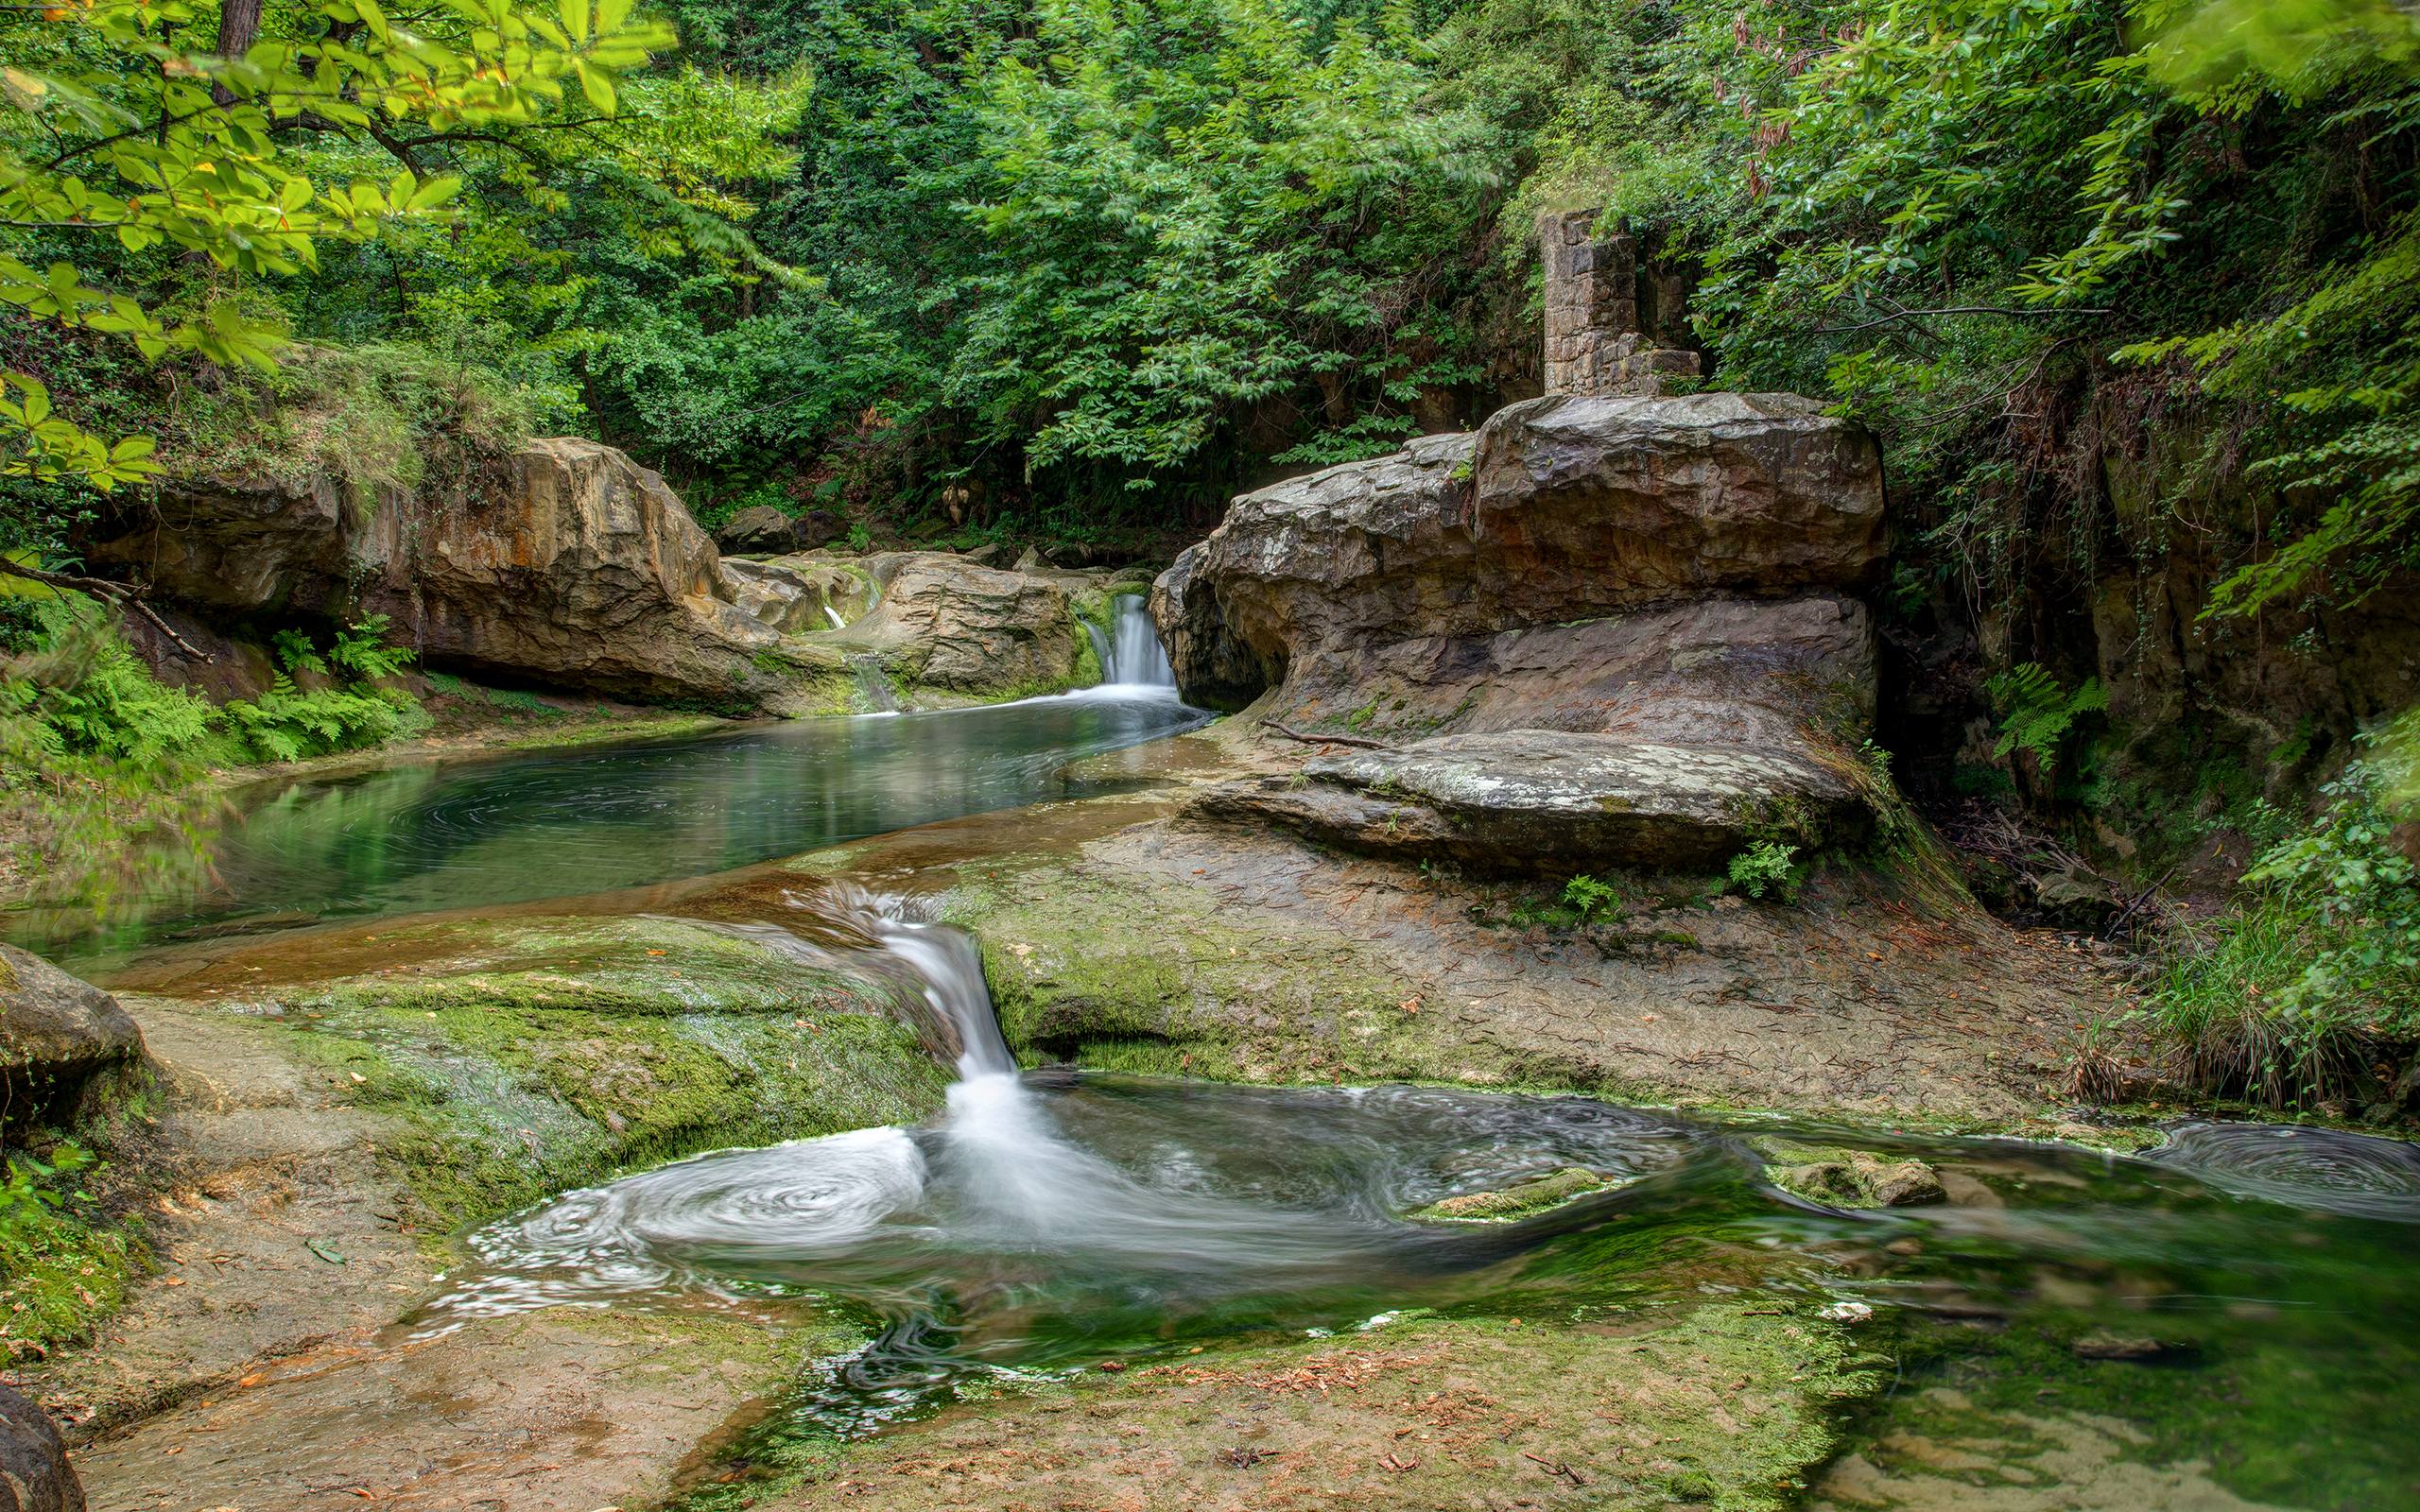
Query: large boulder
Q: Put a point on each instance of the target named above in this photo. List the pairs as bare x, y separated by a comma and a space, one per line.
1558, 510
564, 563
949, 627
1603, 632
34, 1472
61, 1041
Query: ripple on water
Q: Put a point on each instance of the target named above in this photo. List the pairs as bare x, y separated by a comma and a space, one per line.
2302, 1167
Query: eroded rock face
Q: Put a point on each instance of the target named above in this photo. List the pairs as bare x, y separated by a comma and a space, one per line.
1603, 631
564, 562
34, 1472
951, 625
61, 1038
1558, 510
1601, 505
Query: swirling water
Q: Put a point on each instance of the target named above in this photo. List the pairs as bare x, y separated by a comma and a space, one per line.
1047, 1221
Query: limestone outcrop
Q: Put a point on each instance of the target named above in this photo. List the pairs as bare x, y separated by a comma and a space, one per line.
1614, 630
1557, 510
61, 1040
566, 563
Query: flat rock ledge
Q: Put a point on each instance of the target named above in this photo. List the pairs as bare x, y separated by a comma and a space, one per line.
1508, 801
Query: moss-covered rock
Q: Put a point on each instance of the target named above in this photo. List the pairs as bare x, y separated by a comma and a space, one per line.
1727, 1406
1842, 1177
554, 1051
1522, 1199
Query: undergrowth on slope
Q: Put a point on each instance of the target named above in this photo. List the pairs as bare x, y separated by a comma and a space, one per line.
2307, 993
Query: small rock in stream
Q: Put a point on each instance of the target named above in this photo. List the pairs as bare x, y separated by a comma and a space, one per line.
2134, 1347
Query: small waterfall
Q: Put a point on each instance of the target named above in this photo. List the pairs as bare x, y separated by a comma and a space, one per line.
875, 684
1102, 651
1135, 658
834, 616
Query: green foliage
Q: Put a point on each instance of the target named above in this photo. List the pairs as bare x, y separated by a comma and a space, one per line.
1768, 867
62, 1263
2317, 972
296, 652
102, 766
118, 132
285, 724
2037, 715
362, 651
1592, 900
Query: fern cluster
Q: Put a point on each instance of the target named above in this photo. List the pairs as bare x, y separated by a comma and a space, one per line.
2037, 715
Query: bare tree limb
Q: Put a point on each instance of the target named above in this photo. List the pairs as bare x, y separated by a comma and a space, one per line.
1276, 728
118, 593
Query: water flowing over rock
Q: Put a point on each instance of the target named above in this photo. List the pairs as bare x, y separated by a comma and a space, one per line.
61, 1038
34, 1472
1612, 629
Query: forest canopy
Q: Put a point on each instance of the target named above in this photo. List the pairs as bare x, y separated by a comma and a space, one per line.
1067, 266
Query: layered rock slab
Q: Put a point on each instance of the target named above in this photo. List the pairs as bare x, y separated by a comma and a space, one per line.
1511, 800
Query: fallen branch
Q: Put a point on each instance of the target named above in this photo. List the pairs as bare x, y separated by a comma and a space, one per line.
1324, 740
118, 593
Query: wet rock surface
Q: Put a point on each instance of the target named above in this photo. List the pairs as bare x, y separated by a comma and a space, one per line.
62, 1038
34, 1472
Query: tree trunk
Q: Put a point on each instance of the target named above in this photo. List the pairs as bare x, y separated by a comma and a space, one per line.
240, 27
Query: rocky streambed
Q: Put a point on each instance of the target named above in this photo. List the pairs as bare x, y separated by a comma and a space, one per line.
1397, 1094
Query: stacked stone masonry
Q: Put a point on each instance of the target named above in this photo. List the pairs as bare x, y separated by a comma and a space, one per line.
1595, 343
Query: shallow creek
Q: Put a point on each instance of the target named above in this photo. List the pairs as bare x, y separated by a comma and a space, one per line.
2239, 1304
516, 829
2233, 1318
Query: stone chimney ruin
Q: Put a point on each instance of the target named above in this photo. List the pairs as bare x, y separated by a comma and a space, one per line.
1597, 341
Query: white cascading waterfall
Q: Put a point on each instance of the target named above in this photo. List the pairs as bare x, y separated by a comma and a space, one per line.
1136, 658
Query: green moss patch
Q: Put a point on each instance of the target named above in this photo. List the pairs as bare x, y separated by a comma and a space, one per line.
1724, 1406
569, 1050
1521, 1200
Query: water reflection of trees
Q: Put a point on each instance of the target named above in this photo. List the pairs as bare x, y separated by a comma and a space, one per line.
519, 829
